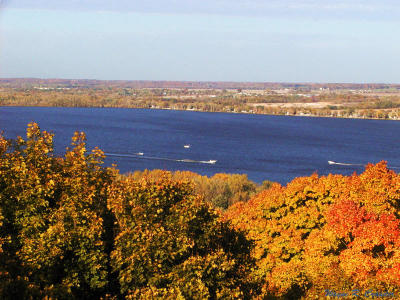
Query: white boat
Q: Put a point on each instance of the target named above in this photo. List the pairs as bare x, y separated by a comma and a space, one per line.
208, 161
186, 146
342, 164
140, 153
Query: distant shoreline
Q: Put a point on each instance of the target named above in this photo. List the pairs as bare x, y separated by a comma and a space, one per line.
203, 111
350, 101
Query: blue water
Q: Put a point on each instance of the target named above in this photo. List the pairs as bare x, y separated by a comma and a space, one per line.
276, 148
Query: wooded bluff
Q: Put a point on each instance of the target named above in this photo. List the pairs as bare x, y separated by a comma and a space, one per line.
73, 229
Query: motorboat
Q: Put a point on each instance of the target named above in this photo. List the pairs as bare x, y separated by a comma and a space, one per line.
211, 161
186, 146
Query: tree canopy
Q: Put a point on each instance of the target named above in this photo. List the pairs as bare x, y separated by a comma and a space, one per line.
335, 231
71, 228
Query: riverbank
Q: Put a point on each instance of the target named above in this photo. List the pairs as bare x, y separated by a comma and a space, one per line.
392, 117
322, 102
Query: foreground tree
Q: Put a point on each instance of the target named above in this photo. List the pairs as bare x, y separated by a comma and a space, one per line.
54, 210
72, 229
335, 232
171, 244
357, 250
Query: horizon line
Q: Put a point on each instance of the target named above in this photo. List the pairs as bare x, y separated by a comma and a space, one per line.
196, 81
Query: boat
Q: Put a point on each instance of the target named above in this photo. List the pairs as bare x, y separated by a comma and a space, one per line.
186, 146
331, 162
140, 153
211, 161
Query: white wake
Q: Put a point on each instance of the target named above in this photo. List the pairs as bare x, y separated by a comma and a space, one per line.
141, 155
348, 164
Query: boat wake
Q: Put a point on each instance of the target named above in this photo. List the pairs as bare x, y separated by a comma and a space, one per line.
141, 155
342, 164
347, 164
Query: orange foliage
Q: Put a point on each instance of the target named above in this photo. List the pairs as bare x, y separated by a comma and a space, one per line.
337, 232
70, 228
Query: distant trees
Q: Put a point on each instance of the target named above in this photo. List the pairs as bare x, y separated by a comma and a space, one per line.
338, 103
221, 190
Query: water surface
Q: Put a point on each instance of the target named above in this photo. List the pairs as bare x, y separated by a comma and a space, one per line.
277, 148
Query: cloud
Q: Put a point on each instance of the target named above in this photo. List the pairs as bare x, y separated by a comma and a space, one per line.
270, 8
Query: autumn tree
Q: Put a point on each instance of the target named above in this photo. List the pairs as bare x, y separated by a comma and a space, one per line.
325, 232
171, 244
54, 210
72, 229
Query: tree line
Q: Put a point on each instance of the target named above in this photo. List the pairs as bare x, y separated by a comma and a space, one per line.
334, 103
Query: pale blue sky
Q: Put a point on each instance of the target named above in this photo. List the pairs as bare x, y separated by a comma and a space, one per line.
221, 40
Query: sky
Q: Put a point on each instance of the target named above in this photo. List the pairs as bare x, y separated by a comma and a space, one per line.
202, 40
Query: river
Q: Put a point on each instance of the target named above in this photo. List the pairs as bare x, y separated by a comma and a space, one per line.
276, 148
